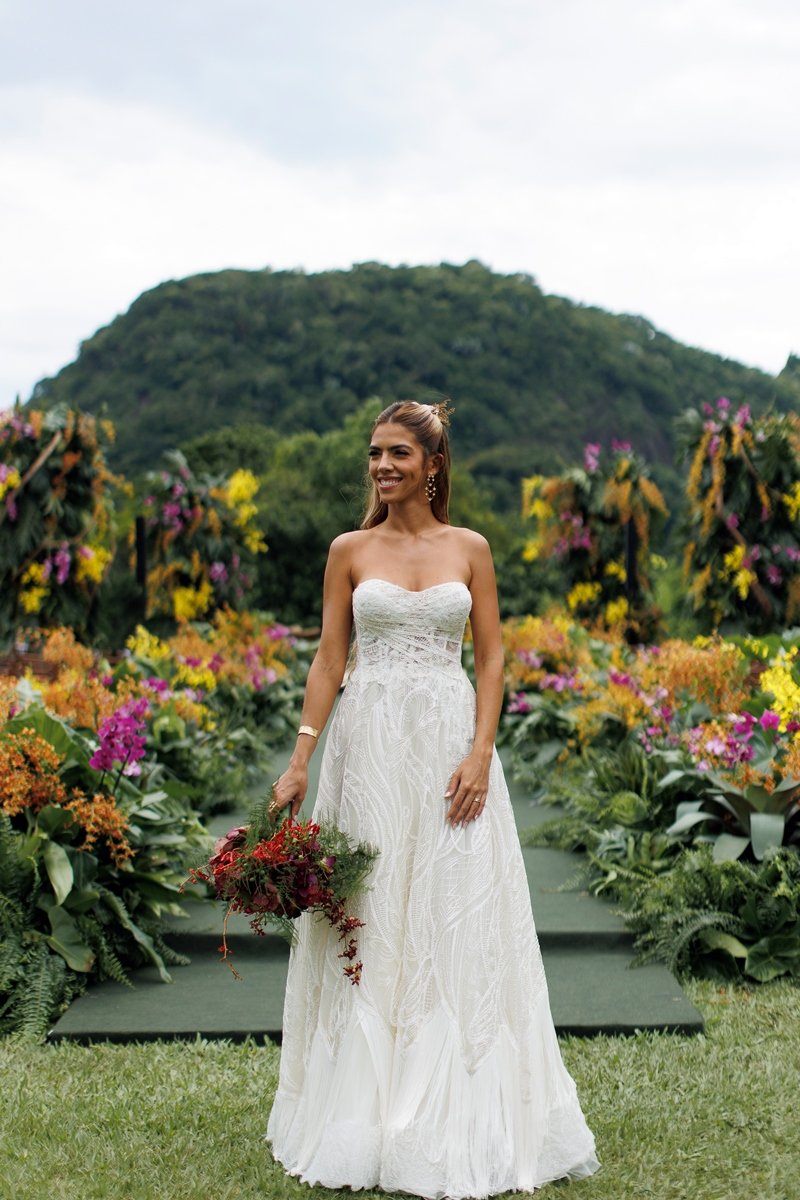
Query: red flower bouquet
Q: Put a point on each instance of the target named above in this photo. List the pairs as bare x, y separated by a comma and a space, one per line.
275, 870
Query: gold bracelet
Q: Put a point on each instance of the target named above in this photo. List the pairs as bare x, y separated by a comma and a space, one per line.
309, 729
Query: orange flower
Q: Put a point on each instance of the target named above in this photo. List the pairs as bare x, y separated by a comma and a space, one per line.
100, 818
28, 773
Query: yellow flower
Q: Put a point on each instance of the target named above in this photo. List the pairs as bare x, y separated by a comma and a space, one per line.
658, 563
91, 563
778, 679
35, 589
743, 581
10, 481
254, 540
197, 677
791, 499
616, 570
143, 644
530, 486
240, 488
732, 561
531, 550
616, 611
583, 594
189, 603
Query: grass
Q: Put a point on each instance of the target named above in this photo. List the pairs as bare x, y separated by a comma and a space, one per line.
676, 1118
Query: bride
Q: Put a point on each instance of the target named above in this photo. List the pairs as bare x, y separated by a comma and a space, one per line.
439, 1074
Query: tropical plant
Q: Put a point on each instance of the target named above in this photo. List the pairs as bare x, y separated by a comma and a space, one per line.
56, 508
202, 539
595, 521
743, 521
721, 919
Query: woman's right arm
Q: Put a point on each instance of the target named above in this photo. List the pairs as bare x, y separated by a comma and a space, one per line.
326, 673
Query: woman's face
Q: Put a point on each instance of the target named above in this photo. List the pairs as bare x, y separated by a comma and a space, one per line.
397, 463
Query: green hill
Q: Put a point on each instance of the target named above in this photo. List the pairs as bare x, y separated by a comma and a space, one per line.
532, 377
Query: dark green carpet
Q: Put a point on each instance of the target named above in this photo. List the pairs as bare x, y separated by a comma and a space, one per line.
587, 956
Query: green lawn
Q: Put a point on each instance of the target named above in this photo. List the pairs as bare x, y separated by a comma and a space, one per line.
676, 1118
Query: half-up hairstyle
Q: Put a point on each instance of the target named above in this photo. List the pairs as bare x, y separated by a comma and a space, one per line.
428, 425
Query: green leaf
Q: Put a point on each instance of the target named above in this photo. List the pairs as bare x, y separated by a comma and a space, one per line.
688, 821
766, 831
728, 847
59, 870
673, 777
52, 819
66, 940
758, 797
716, 939
776, 955
138, 935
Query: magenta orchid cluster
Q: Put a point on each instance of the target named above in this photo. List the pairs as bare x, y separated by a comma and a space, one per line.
737, 746
593, 450
567, 682
722, 415
576, 536
14, 422
260, 676
122, 739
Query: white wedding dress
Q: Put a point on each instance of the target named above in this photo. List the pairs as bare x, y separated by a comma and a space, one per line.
440, 1073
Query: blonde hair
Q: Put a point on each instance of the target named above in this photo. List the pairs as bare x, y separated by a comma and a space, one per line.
428, 425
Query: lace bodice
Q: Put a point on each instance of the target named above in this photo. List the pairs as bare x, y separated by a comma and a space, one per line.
418, 631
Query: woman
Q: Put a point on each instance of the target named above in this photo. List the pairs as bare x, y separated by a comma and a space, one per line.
440, 1073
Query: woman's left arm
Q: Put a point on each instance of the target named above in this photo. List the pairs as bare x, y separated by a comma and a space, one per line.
470, 780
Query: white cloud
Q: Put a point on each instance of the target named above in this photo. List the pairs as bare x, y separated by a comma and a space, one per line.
638, 158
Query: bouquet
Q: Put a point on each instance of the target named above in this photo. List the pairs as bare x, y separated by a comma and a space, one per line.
273, 870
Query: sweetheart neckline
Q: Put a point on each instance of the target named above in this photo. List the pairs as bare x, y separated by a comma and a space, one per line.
411, 591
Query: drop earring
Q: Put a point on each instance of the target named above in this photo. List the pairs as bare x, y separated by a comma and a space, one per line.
430, 487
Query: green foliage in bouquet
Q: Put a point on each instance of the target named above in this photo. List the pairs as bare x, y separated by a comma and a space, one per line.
273, 870
202, 539
56, 508
742, 554
596, 522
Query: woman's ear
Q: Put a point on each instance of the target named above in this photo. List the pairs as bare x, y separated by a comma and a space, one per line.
435, 461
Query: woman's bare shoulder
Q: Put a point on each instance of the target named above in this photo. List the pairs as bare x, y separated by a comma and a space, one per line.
469, 539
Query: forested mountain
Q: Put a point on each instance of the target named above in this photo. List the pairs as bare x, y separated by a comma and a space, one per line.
531, 376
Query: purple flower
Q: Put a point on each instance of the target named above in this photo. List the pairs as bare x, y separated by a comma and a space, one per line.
62, 561
713, 445
620, 447
518, 703
159, 686
530, 658
774, 575
122, 739
723, 405
591, 456
769, 719
708, 409
218, 572
742, 415
732, 521
171, 514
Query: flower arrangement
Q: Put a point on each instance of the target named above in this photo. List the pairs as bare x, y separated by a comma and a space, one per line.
662, 756
742, 555
596, 521
103, 773
56, 509
202, 539
274, 871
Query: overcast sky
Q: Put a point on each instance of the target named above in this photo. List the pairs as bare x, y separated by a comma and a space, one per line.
641, 156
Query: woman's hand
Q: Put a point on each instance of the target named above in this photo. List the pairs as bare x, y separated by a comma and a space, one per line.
467, 788
290, 789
